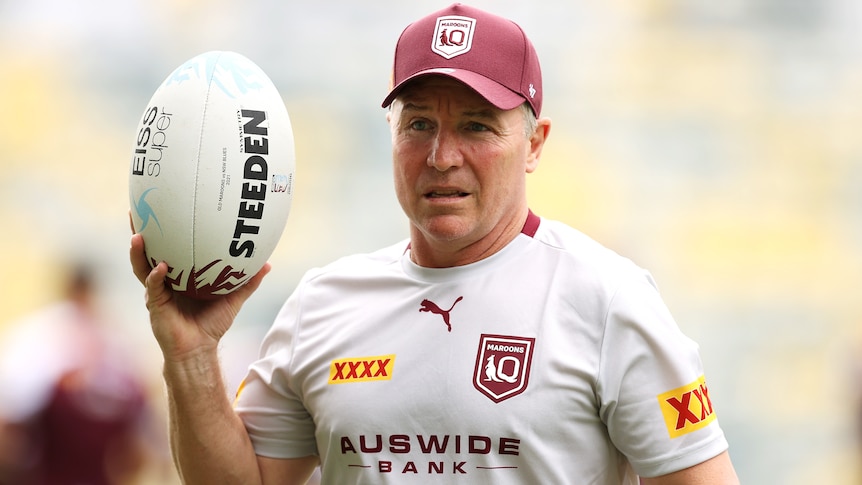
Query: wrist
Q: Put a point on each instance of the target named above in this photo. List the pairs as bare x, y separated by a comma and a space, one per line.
197, 368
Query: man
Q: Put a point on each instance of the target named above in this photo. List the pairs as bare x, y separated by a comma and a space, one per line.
73, 410
492, 347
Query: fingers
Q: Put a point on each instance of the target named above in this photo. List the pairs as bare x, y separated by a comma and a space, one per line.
152, 278
138, 258
157, 291
246, 290
257, 279
131, 222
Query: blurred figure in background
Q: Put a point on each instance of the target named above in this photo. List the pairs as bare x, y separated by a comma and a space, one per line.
72, 408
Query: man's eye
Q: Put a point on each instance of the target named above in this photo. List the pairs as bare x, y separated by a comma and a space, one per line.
477, 127
419, 125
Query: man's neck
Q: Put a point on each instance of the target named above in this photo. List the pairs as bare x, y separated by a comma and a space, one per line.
431, 253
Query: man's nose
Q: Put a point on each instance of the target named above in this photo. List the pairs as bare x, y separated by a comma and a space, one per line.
445, 152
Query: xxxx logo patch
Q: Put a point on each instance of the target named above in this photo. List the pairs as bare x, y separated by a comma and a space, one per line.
687, 408
361, 369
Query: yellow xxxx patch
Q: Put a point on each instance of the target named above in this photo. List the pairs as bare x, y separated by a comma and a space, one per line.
687, 408
361, 369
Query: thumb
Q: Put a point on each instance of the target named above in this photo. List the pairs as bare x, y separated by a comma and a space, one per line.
156, 291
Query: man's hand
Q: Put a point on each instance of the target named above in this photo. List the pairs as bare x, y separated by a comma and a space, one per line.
184, 326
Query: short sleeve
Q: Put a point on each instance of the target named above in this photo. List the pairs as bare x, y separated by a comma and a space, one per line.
653, 395
268, 401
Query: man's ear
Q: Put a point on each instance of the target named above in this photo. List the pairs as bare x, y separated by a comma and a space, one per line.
537, 142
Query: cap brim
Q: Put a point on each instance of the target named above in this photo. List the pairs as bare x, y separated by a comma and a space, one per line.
494, 92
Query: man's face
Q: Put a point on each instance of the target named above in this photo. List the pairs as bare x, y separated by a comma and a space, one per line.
459, 164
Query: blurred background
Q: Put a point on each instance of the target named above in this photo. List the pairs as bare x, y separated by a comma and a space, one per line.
717, 144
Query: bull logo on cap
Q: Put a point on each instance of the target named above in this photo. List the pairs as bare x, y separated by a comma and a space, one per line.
453, 36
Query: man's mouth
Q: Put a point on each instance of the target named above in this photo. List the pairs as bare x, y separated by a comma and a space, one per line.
441, 194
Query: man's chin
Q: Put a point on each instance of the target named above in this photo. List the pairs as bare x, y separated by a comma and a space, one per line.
446, 227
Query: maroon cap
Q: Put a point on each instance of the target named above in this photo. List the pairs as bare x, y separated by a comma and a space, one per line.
490, 54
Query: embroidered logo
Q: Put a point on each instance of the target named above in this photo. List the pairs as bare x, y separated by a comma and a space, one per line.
687, 408
453, 36
431, 307
361, 369
503, 366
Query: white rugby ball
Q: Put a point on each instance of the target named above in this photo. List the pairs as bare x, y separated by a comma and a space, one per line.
212, 173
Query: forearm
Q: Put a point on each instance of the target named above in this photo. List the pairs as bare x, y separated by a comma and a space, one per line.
715, 471
209, 442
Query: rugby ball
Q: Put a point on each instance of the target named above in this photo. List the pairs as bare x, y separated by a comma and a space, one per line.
212, 173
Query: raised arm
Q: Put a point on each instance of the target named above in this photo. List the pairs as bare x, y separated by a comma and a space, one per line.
209, 442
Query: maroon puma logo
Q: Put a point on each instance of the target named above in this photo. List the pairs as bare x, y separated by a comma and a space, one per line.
430, 306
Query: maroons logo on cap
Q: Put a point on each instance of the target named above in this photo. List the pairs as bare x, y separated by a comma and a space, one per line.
453, 35
503, 366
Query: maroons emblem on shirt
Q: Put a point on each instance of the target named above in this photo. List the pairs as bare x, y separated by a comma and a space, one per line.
503, 366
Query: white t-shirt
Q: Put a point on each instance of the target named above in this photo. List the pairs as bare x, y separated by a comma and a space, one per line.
552, 361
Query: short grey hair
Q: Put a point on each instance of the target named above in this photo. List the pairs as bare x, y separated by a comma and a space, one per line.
530, 120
